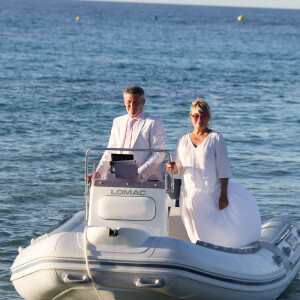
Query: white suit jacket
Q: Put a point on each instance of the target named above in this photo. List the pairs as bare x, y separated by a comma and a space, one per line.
148, 134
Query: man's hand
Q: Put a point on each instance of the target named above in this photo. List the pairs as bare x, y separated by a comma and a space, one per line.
96, 175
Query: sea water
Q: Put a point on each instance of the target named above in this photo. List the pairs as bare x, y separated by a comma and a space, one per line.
61, 84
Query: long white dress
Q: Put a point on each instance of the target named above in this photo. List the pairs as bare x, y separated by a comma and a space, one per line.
200, 169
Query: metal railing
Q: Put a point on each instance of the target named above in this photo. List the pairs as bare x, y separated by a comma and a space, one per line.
86, 193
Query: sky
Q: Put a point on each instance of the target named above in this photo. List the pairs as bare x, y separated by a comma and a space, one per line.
288, 4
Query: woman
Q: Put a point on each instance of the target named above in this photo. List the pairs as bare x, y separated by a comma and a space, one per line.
212, 209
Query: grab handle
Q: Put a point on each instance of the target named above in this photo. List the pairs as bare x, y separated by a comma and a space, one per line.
75, 278
149, 283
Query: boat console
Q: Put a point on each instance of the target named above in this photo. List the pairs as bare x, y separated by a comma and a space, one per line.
122, 200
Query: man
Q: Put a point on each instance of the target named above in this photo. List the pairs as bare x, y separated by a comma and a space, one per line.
136, 130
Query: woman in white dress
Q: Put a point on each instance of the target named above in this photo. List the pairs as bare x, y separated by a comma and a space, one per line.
212, 209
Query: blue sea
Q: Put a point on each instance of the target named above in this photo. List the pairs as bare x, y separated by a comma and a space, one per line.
61, 85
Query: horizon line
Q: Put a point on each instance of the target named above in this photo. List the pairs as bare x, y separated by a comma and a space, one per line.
187, 3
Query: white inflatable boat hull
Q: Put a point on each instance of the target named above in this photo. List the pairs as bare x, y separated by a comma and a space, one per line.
55, 266
132, 245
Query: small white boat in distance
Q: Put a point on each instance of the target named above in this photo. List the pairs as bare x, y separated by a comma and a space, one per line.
130, 243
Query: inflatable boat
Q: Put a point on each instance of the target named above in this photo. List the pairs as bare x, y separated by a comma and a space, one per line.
130, 243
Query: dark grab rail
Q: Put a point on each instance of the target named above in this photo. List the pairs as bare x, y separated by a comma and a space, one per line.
86, 193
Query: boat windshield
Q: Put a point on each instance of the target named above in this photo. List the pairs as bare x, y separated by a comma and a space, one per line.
124, 169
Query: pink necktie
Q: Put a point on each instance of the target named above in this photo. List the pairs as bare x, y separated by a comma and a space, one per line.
128, 137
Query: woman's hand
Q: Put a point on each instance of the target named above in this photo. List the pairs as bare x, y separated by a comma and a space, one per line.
223, 201
172, 166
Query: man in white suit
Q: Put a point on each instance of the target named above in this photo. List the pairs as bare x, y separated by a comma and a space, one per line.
136, 130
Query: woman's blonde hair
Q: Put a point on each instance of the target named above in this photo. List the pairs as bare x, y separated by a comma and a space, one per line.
202, 106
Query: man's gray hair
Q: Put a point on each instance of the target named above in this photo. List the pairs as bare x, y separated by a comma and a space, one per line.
135, 90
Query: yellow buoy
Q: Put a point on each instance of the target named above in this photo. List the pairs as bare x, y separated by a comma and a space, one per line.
240, 18
78, 18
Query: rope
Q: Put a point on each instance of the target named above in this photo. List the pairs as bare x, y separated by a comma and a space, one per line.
62, 293
87, 263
